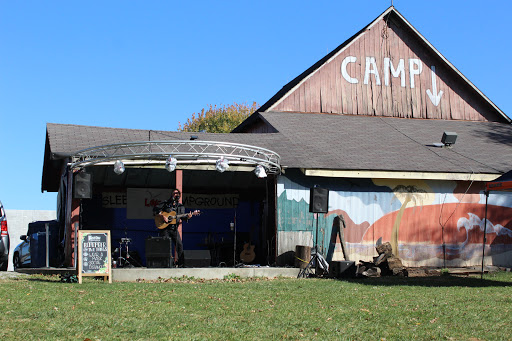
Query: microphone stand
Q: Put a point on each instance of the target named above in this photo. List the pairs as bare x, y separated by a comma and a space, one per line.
233, 228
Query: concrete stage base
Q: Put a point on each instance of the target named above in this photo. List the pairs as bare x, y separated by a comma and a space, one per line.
134, 274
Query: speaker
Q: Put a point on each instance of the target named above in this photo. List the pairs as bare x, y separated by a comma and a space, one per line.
343, 269
82, 187
318, 200
158, 247
158, 252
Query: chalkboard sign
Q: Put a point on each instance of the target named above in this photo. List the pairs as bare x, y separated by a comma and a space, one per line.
94, 254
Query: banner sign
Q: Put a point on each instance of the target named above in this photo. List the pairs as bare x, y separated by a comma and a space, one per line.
203, 201
113, 199
94, 254
140, 201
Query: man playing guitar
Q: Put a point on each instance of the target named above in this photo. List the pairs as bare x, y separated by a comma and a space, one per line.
169, 224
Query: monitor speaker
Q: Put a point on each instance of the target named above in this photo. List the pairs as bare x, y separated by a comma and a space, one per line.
318, 200
82, 188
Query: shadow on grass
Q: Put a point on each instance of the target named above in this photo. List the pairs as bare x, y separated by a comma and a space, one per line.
47, 279
62, 278
432, 281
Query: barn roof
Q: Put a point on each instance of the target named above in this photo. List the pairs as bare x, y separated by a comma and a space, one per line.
325, 142
66, 139
392, 144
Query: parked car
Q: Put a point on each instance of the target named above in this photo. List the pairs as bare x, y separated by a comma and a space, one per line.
21, 256
31, 252
4, 240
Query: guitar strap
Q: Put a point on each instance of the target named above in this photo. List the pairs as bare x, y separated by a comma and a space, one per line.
179, 209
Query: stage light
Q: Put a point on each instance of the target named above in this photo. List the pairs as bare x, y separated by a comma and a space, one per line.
170, 164
221, 165
260, 171
119, 167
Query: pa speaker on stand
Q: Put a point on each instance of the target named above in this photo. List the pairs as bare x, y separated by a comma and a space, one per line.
318, 203
82, 186
318, 200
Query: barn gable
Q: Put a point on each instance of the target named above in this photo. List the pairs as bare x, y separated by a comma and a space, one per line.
386, 69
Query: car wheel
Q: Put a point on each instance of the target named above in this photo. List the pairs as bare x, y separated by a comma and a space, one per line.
3, 266
16, 261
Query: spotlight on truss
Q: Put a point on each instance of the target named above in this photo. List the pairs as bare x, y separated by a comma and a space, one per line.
260, 171
119, 167
170, 164
221, 165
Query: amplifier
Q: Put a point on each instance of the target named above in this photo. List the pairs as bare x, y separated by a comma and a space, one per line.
158, 247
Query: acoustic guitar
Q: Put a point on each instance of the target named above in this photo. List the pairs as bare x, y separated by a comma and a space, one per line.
172, 218
247, 255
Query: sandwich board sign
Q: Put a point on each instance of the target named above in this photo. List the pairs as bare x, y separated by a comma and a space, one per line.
94, 254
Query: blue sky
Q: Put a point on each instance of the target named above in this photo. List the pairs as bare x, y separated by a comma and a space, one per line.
151, 64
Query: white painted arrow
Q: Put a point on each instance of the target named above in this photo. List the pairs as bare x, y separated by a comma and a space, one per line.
434, 96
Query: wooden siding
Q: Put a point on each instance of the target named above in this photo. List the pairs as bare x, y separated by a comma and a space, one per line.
326, 90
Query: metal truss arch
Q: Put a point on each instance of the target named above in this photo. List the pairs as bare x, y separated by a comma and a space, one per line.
184, 151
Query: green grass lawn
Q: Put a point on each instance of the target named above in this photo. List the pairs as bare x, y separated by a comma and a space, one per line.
390, 308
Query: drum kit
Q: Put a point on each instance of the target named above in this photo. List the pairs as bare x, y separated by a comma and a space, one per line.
123, 259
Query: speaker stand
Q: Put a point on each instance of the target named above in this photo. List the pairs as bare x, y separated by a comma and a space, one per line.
316, 258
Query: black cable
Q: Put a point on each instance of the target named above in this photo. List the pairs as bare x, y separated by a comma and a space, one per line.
467, 157
421, 144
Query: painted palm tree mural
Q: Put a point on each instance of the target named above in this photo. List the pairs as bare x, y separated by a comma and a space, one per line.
407, 194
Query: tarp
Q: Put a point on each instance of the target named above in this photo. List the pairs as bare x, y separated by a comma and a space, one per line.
503, 183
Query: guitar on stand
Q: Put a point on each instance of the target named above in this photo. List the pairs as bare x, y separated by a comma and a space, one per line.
247, 255
172, 218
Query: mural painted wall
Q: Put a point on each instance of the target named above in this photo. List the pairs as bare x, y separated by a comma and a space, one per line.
418, 217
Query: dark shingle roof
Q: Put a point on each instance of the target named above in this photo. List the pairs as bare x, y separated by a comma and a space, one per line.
66, 139
323, 141
346, 142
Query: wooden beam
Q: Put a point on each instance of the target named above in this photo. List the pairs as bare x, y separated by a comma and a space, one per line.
398, 175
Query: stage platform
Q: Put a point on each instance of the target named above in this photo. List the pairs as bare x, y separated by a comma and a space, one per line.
141, 273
